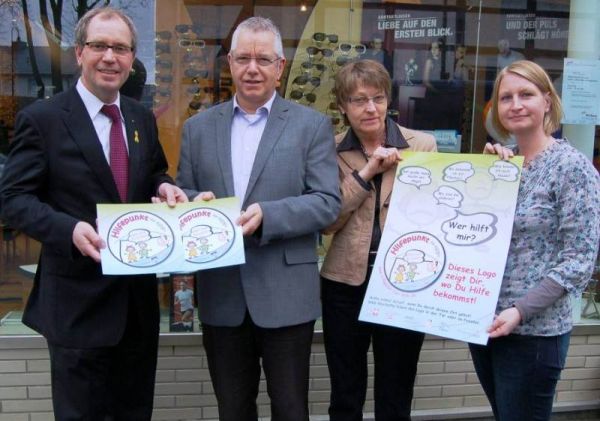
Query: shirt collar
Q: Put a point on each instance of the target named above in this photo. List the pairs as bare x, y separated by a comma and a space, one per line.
92, 103
394, 138
265, 108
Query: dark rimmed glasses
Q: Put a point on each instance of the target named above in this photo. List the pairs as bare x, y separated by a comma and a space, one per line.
322, 36
192, 43
99, 47
312, 51
297, 95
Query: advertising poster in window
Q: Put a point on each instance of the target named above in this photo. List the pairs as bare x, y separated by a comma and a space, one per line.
444, 246
181, 318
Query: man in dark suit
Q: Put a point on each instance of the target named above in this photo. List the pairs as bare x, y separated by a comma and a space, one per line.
278, 157
67, 156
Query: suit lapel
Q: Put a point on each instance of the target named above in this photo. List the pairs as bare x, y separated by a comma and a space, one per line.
82, 131
271, 135
134, 137
223, 130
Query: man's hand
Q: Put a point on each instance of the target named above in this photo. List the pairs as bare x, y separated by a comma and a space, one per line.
250, 219
87, 240
497, 149
505, 322
204, 196
171, 194
381, 160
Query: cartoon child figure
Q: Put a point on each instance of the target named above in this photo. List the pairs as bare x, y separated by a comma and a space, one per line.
412, 271
192, 249
204, 245
131, 257
400, 274
144, 251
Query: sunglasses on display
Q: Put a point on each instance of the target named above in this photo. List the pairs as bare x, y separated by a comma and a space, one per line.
165, 78
165, 64
346, 48
183, 28
197, 90
298, 95
342, 60
195, 105
303, 80
163, 35
192, 43
308, 66
163, 48
335, 121
165, 93
333, 106
196, 74
312, 51
321, 36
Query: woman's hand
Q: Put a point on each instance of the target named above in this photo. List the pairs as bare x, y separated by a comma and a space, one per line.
381, 160
497, 149
505, 322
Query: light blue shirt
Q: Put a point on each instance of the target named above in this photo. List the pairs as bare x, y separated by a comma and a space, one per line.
246, 132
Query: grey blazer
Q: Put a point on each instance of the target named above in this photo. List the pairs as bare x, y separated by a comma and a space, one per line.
295, 181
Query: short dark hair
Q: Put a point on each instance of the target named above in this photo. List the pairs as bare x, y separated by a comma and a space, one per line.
106, 12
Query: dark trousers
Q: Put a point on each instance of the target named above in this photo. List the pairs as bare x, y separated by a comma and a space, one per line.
347, 340
519, 374
113, 383
234, 355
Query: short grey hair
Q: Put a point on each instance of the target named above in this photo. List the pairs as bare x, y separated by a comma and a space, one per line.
259, 24
106, 12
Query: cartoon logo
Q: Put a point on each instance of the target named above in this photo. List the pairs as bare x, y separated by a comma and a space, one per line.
140, 239
414, 261
207, 234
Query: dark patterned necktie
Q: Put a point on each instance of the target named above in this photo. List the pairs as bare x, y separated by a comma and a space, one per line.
119, 160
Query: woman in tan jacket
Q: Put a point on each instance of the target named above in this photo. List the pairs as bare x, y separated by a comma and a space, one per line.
367, 154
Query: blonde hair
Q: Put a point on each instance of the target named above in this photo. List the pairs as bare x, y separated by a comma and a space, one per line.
535, 74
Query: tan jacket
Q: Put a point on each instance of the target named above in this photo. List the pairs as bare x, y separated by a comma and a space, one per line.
347, 257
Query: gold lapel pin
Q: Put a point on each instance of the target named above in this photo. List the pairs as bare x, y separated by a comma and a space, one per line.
136, 137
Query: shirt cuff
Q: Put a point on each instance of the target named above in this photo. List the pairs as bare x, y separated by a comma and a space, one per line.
363, 183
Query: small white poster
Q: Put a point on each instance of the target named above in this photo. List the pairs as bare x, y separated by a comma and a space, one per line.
154, 238
581, 91
444, 246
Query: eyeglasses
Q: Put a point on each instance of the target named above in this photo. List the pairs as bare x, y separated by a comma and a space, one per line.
345, 48
197, 90
313, 51
321, 36
165, 93
190, 43
298, 95
361, 101
261, 61
102, 47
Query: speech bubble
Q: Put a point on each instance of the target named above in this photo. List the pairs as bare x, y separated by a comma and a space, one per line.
138, 235
448, 196
470, 229
200, 231
417, 176
504, 170
459, 171
414, 256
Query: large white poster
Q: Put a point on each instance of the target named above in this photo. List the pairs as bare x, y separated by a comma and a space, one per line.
443, 250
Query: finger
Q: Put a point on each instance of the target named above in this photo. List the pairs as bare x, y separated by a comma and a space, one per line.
155, 199
489, 148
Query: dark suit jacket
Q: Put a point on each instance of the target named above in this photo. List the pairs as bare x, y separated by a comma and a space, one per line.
55, 175
295, 181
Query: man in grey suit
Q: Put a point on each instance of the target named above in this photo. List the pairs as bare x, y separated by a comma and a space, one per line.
278, 157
